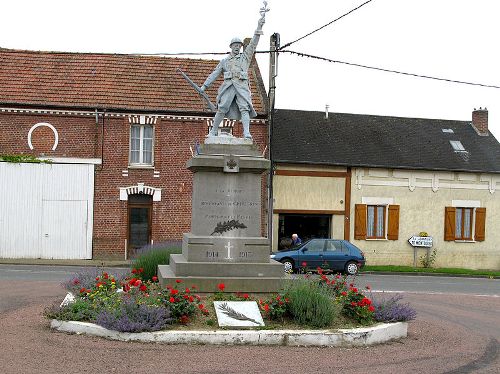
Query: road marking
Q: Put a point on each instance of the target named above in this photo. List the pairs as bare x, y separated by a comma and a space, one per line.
435, 293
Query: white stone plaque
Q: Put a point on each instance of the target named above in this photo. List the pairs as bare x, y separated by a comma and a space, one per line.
238, 314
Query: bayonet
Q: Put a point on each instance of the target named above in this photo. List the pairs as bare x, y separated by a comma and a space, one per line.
198, 89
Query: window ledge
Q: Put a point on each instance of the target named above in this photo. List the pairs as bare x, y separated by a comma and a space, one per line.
138, 166
465, 241
377, 239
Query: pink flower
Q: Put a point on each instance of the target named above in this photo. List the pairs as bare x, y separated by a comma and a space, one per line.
155, 278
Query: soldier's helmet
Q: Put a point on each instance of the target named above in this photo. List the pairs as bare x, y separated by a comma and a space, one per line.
235, 40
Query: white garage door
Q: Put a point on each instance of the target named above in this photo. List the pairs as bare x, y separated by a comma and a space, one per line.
46, 210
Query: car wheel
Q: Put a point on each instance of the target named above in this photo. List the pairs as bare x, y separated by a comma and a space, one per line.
351, 268
287, 265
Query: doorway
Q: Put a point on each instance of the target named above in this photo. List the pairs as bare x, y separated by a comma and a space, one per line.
140, 208
306, 226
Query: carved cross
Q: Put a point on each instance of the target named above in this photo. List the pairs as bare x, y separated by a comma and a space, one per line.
228, 247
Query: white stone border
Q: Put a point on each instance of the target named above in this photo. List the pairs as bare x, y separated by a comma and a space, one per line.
310, 338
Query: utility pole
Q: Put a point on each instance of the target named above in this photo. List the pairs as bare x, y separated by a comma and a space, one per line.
273, 73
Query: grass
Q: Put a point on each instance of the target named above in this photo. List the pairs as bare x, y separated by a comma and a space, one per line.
411, 269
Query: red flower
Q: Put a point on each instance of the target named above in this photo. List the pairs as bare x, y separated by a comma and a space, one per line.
173, 291
83, 290
320, 271
191, 299
178, 281
134, 271
187, 290
143, 288
366, 301
201, 306
204, 311
184, 319
304, 264
141, 270
97, 278
266, 307
245, 296
137, 283
371, 308
354, 289
76, 281
353, 303
221, 286
105, 275
155, 278
126, 288
343, 293
172, 300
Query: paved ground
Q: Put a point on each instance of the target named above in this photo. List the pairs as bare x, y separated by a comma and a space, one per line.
452, 334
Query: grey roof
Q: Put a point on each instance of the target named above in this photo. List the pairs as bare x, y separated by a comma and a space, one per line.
379, 141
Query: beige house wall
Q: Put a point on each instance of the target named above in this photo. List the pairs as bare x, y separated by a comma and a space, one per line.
422, 197
314, 194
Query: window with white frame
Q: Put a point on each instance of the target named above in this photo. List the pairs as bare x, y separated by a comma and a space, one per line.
141, 145
376, 218
465, 221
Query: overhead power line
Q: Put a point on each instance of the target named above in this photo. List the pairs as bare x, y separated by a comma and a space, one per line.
388, 70
322, 27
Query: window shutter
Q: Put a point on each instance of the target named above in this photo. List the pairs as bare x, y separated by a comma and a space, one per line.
360, 221
449, 223
393, 222
479, 229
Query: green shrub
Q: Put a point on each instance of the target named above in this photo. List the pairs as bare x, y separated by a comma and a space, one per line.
149, 258
80, 310
311, 304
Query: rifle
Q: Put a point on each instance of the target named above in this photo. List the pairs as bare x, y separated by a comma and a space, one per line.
198, 89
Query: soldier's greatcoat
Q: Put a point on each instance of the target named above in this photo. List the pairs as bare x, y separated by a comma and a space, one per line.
234, 94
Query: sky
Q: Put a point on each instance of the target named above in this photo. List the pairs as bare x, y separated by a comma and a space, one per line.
451, 39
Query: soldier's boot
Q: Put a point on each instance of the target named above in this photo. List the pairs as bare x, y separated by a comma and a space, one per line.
245, 120
219, 116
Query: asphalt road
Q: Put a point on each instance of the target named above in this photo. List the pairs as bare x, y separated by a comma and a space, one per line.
456, 331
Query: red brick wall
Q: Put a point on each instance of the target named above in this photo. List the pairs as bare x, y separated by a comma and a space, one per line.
80, 137
76, 135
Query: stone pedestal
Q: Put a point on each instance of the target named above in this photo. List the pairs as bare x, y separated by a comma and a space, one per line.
225, 243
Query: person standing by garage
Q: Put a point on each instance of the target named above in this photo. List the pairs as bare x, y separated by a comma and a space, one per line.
295, 240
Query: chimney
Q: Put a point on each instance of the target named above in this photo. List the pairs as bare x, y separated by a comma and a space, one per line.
326, 111
480, 121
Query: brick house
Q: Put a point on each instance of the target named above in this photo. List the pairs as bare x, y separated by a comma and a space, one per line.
118, 130
379, 180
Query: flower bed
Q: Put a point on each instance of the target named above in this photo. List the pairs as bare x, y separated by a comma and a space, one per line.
127, 303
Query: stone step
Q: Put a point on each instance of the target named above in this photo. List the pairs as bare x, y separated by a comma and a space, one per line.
232, 284
181, 266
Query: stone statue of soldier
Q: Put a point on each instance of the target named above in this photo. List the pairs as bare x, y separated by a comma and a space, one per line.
234, 99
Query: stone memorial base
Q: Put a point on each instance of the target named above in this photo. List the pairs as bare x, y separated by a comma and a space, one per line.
225, 243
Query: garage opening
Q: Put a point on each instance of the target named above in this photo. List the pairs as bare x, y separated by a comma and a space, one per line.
306, 226
140, 208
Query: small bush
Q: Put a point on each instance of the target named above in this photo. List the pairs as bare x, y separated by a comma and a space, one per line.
391, 310
149, 257
133, 317
80, 310
310, 303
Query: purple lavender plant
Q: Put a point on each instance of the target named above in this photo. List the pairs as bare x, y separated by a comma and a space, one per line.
391, 310
133, 317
